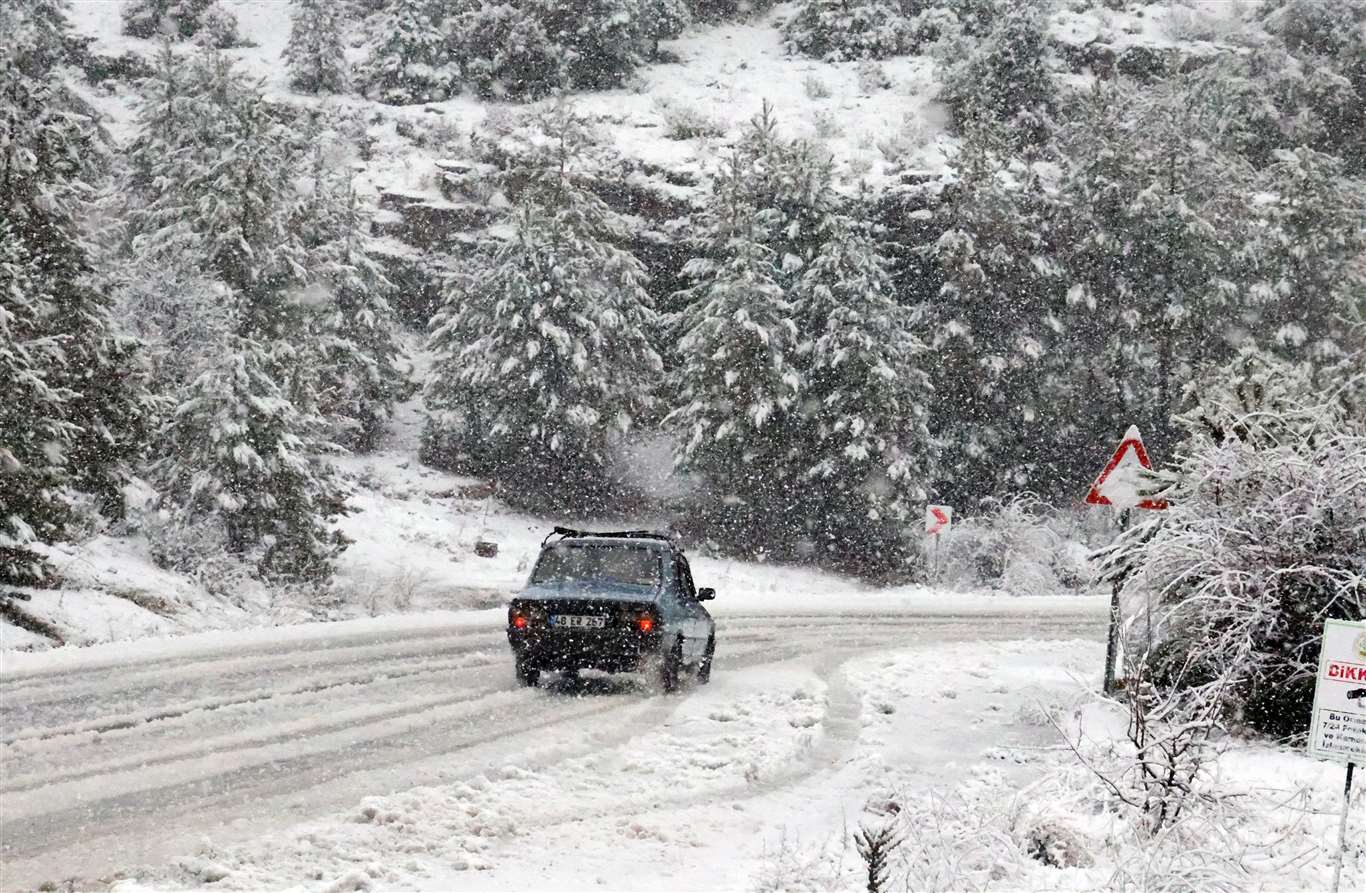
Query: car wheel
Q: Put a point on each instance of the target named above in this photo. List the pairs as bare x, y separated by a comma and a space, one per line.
670, 667
704, 668
526, 675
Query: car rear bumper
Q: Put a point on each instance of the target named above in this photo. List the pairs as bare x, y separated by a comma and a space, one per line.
615, 651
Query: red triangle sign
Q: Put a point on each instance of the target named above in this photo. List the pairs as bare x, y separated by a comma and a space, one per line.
1120, 482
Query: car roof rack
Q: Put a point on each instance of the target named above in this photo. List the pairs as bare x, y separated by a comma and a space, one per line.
570, 533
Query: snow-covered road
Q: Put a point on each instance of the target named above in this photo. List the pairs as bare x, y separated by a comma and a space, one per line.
122, 757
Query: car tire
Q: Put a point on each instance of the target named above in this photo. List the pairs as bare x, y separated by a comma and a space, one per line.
704, 668
527, 676
670, 668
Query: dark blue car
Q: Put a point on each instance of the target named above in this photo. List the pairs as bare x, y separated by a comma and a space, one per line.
620, 602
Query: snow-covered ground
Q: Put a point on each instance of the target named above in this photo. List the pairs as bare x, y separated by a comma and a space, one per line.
398, 753
129, 755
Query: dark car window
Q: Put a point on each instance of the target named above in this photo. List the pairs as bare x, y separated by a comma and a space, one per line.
609, 564
685, 584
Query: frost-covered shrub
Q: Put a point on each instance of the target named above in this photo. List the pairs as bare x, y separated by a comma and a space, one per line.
217, 28
685, 122
843, 30
872, 77
1016, 545
201, 552
1265, 538
815, 88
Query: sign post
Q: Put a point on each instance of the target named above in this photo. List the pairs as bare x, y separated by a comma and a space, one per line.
938, 519
1337, 727
1121, 484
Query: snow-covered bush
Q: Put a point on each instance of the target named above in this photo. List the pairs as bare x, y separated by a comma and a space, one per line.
529, 48
603, 41
1016, 545
729, 10
1002, 76
664, 20
410, 63
1265, 538
315, 53
686, 122
208, 21
841, 30
199, 551
1310, 26
217, 28
503, 50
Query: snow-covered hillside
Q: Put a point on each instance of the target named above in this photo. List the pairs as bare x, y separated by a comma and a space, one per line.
413, 527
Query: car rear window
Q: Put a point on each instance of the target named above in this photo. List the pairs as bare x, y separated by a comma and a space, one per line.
613, 564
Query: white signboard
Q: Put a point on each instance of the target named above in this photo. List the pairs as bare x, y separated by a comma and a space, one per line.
937, 519
1338, 730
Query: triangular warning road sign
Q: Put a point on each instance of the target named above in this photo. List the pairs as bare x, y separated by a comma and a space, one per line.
1121, 482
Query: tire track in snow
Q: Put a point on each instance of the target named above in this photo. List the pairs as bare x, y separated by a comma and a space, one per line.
213, 773
147, 810
203, 705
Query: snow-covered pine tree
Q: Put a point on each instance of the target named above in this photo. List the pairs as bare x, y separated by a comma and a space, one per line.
240, 454
410, 63
316, 54
213, 173
212, 187
360, 367
503, 50
1003, 76
1150, 216
1305, 251
664, 20
864, 404
40, 36
34, 432
737, 381
46, 150
604, 40
846, 30
543, 349
790, 183
208, 21
991, 327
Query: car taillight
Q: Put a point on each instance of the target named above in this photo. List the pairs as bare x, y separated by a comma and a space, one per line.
645, 624
519, 621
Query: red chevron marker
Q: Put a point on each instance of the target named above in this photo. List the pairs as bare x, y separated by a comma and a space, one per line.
937, 519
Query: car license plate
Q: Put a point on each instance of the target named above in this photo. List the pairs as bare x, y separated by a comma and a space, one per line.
577, 621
